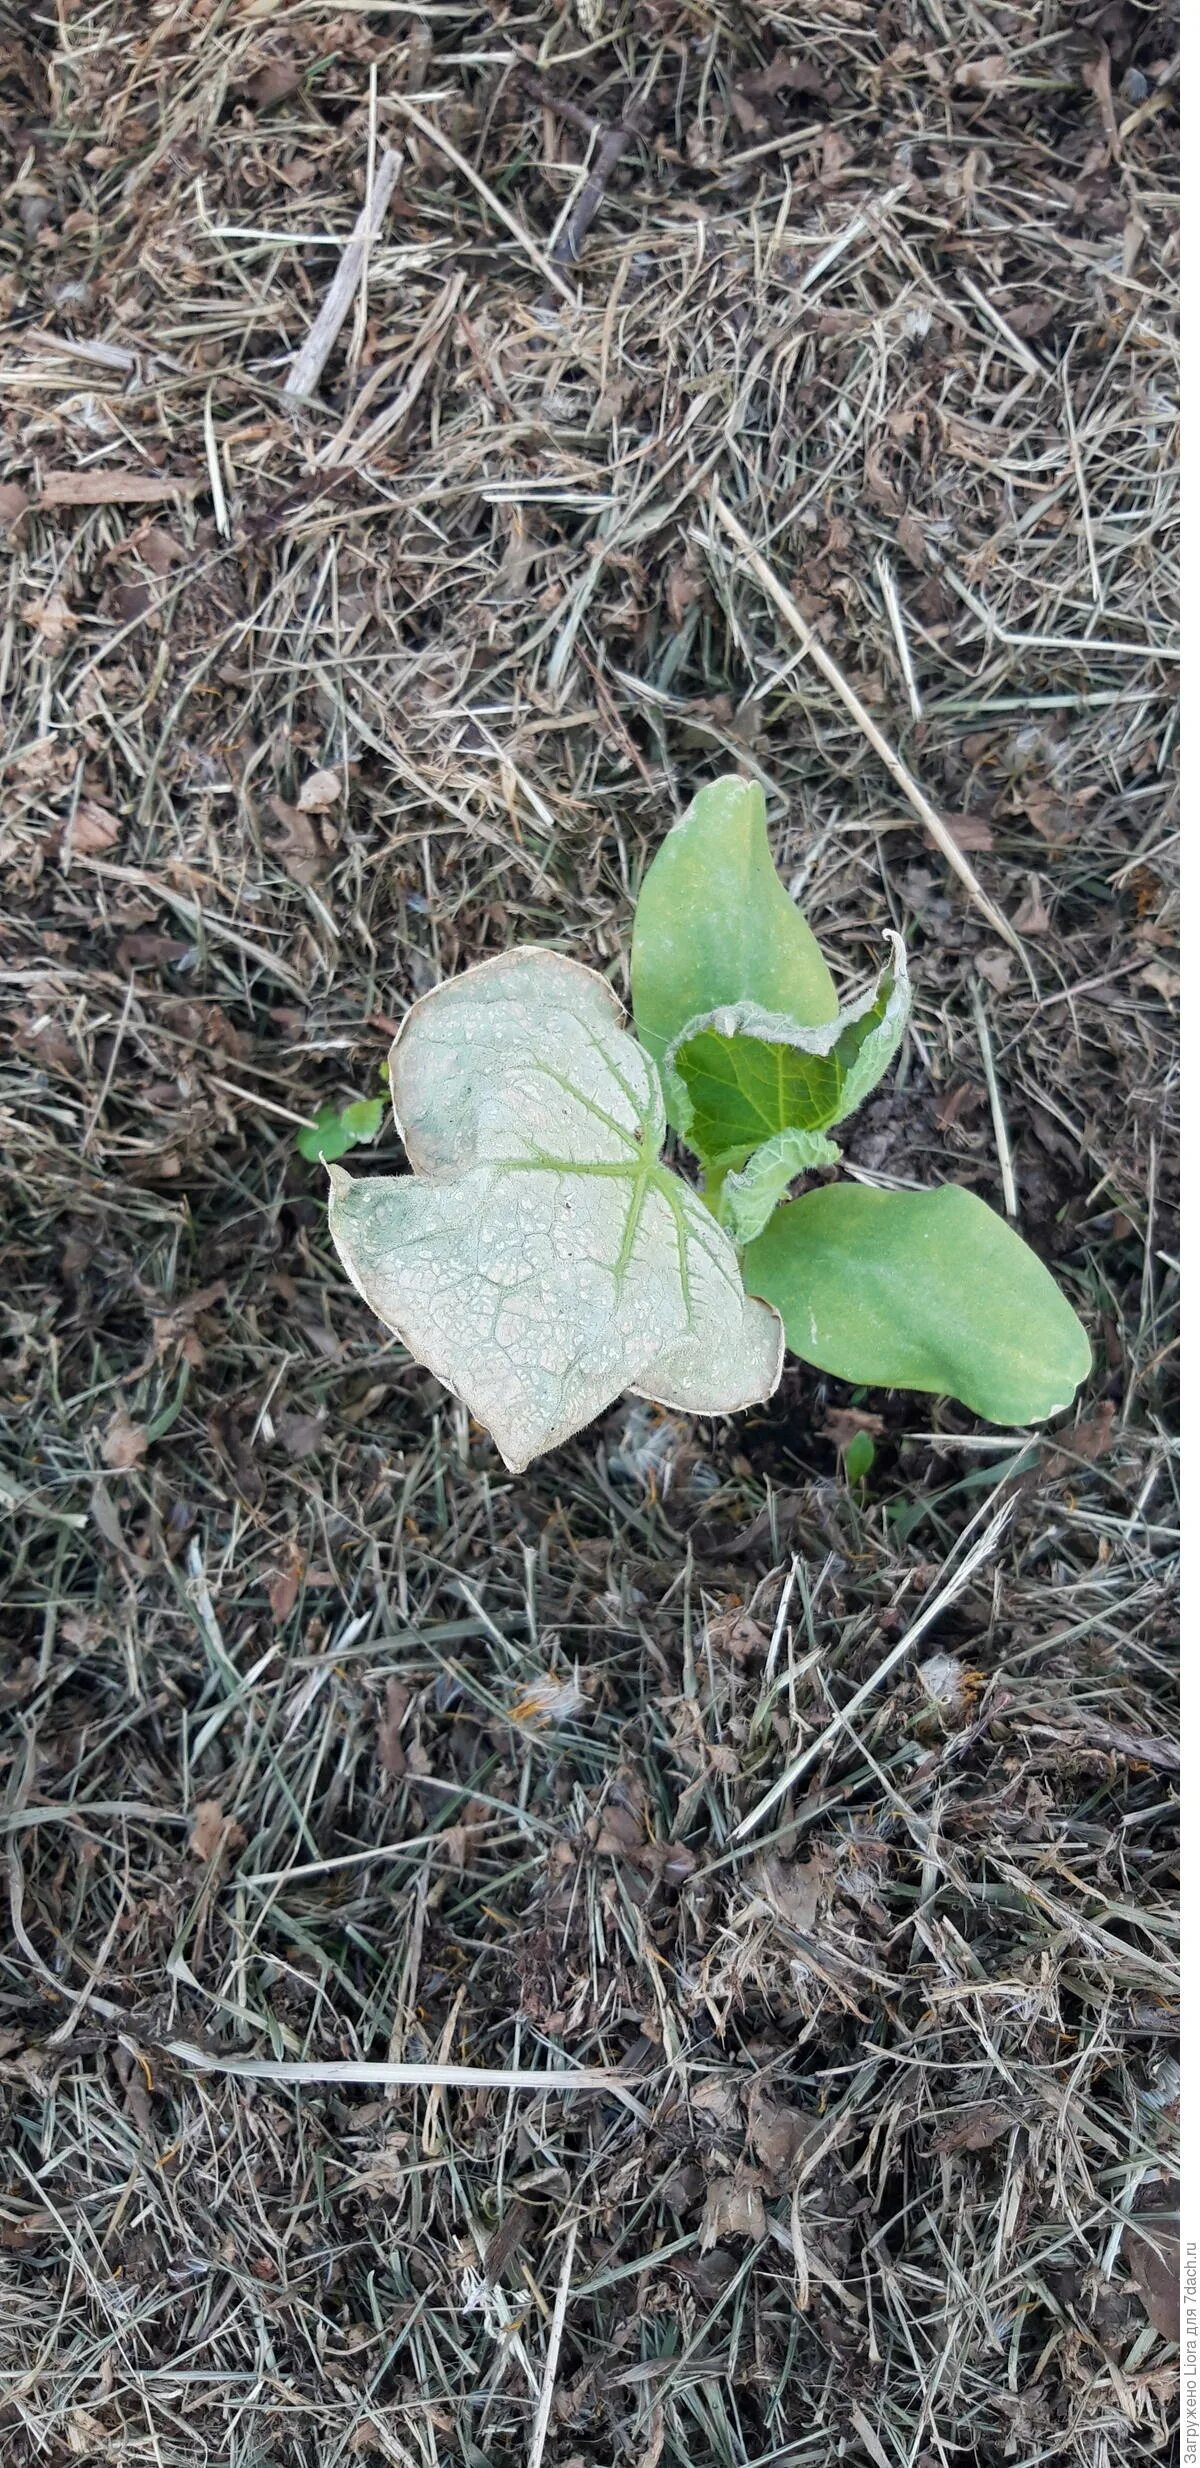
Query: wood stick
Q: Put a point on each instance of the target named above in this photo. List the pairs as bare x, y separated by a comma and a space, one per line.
108, 487
305, 371
420, 2077
814, 649
591, 196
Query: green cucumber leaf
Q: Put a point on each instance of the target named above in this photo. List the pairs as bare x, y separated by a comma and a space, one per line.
714, 924
748, 1199
737, 1075
921, 1289
540, 1257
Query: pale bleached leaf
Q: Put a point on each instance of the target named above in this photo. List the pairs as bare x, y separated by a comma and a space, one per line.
540, 1258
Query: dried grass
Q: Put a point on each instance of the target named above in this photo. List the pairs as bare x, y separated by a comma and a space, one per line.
897, 281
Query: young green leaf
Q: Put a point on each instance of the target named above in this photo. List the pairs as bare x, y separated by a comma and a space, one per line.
738, 1075
921, 1289
748, 1199
714, 924
364, 1117
540, 1258
859, 1457
338, 1128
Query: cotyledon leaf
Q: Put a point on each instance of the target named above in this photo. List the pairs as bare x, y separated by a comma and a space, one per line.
921, 1289
540, 1258
714, 924
738, 1075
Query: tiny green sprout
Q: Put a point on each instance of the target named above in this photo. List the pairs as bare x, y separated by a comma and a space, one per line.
337, 1128
859, 1457
543, 1254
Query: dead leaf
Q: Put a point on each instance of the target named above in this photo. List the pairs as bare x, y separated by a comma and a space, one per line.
87, 2438
1154, 2259
13, 504
1033, 916
984, 76
208, 1826
91, 828
284, 1587
321, 789
910, 537
780, 2136
844, 1422
270, 84
716, 2099
975, 2129
736, 1634
621, 1834
151, 951
124, 1443
787, 75
878, 485
302, 850
45, 1036
391, 1755
793, 1889
52, 618
966, 1099
733, 2207
1092, 1438
157, 548
1048, 816
658, 2435
1161, 980
213, 1835
943, 1677
997, 968
970, 831
104, 1515
683, 588
300, 1434
175, 1327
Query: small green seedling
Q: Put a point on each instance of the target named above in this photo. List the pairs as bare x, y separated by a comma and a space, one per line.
859, 1457
337, 1128
541, 1256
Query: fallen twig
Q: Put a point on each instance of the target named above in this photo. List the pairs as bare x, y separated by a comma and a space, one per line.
108, 487
612, 145
554, 2343
421, 2077
613, 137
305, 371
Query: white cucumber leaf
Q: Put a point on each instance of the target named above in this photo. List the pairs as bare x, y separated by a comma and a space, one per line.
748, 1199
921, 1289
540, 1258
738, 1075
